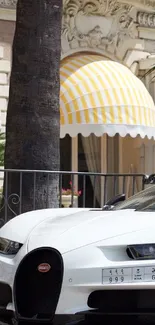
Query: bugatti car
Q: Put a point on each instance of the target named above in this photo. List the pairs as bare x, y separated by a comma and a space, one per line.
80, 262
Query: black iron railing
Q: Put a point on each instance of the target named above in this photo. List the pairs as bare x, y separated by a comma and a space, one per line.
96, 189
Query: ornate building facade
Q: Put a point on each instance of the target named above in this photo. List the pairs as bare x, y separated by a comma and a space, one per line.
122, 31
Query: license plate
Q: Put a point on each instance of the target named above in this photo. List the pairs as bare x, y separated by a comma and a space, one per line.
128, 275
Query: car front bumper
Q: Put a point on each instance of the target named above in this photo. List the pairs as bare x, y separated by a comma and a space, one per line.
78, 282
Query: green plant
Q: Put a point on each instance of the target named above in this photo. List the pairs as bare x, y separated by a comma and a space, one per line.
2, 148
70, 191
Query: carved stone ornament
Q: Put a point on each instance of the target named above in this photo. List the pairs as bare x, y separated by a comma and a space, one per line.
146, 19
10, 4
96, 23
148, 4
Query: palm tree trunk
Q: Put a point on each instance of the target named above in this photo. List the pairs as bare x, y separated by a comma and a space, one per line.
33, 121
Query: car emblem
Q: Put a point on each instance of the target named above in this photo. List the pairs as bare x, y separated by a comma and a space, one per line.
44, 268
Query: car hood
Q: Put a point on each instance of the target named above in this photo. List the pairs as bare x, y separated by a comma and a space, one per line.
19, 228
79, 229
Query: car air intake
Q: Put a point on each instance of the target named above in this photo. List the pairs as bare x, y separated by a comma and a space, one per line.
123, 301
141, 252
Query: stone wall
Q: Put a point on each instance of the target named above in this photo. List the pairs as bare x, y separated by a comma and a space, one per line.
7, 29
122, 31
6, 38
4, 87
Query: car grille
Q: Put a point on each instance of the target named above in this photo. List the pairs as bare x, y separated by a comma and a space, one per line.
36, 293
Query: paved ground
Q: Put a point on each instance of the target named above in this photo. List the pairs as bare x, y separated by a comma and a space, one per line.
112, 321
127, 321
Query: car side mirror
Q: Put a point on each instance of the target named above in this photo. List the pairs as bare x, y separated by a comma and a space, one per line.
116, 199
107, 207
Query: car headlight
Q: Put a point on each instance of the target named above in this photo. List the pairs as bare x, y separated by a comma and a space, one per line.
141, 252
9, 247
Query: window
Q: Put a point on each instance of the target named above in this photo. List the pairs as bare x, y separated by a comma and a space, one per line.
65, 159
89, 160
142, 201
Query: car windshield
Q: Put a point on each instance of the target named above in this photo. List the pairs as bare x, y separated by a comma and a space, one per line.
142, 201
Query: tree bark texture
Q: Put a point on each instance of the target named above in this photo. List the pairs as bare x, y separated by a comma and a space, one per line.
33, 118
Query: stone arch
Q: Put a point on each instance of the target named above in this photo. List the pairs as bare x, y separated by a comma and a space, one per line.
79, 51
130, 59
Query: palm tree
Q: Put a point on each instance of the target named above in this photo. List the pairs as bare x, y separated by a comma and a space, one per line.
33, 121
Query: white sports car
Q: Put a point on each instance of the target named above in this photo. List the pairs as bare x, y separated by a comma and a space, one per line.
80, 261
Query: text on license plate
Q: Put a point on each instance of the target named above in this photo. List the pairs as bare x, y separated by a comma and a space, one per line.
128, 275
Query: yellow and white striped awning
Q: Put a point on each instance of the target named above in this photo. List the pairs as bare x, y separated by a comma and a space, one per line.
99, 96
